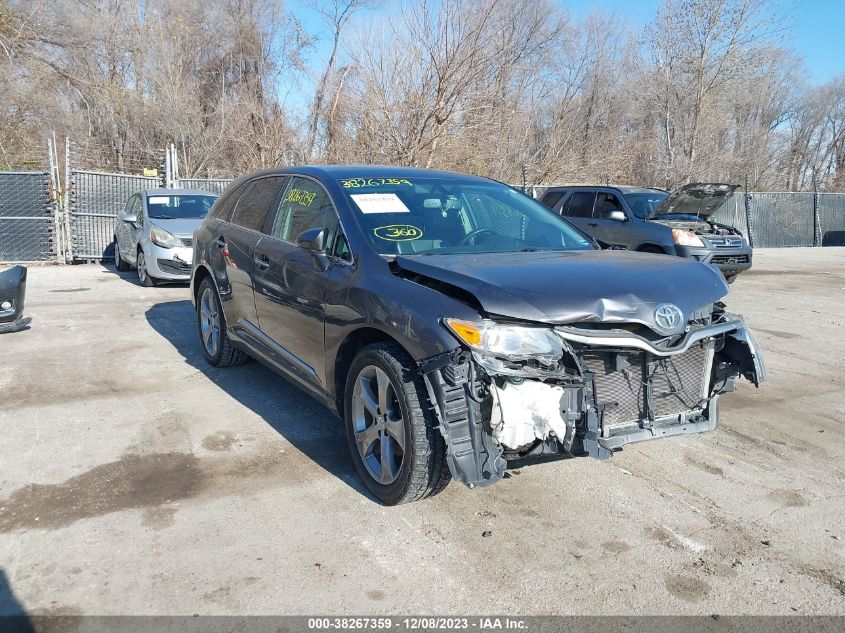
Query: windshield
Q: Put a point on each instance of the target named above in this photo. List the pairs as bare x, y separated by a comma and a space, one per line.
422, 216
191, 206
645, 204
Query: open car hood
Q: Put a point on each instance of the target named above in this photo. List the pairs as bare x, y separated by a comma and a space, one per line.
698, 199
573, 286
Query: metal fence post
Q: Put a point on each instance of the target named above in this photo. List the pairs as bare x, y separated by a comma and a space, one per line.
748, 214
817, 237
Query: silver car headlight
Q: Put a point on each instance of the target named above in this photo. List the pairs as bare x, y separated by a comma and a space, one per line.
509, 349
163, 238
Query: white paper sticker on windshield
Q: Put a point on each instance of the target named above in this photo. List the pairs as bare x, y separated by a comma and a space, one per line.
159, 200
379, 203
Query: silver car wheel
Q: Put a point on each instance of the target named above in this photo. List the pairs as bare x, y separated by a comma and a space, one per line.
209, 322
142, 267
378, 426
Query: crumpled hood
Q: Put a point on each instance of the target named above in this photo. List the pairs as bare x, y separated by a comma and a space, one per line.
572, 286
181, 227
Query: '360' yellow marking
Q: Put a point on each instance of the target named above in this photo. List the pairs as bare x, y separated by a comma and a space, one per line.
398, 232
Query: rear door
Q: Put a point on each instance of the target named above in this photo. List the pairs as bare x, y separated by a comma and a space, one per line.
578, 209
290, 283
235, 242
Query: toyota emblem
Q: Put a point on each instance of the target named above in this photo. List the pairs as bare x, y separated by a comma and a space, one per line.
668, 317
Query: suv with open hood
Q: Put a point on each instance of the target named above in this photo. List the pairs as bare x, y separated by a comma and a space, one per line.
651, 220
455, 324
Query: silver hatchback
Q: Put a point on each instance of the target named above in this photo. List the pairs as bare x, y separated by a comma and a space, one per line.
154, 233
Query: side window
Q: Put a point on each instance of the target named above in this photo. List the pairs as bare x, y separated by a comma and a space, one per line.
579, 205
304, 205
224, 211
606, 203
255, 201
552, 198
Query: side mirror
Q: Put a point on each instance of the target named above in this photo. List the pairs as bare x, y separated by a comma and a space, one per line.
313, 240
131, 218
618, 216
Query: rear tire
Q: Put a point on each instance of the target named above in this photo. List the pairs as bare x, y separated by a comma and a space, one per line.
119, 262
144, 276
211, 325
391, 428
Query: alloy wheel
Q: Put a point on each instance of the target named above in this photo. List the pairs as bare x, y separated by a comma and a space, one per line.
378, 426
209, 322
142, 267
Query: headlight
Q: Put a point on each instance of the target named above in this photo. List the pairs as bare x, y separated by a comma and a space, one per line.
503, 348
686, 238
163, 238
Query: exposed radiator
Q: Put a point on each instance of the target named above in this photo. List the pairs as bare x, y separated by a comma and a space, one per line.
678, 383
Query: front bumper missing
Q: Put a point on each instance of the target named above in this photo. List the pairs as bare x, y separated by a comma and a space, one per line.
487, 419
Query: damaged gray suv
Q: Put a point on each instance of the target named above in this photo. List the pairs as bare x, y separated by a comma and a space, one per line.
455, 324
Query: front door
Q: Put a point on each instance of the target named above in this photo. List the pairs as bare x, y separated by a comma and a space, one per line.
614, 233
290, 282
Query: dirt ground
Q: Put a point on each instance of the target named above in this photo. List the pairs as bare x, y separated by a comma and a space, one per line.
135, 479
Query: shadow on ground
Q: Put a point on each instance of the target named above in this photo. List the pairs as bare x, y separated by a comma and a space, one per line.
13, 616
296, 416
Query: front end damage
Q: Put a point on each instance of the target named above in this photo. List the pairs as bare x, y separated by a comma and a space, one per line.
612, 385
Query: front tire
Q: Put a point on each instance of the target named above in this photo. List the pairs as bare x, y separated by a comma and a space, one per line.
144, 277
391, 430
211, 325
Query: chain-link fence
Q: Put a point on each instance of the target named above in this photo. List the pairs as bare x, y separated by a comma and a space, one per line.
96, 198
26, 217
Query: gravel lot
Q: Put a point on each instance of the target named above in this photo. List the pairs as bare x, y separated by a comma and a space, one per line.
135, 479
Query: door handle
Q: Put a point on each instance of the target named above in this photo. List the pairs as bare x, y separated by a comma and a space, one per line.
262, 262
221, 243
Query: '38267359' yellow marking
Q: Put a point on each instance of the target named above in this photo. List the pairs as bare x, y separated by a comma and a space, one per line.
398, 232
356, 183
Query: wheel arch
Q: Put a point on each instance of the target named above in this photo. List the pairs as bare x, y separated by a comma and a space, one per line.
346, 352
200, 273
651, 247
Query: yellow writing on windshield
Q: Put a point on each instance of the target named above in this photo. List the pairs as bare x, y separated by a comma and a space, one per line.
398, 232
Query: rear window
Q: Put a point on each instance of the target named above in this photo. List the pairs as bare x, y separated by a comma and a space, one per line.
579, 205
552, 198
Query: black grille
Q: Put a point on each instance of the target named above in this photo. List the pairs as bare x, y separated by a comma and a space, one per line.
173, 267
677, 383
729, 259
